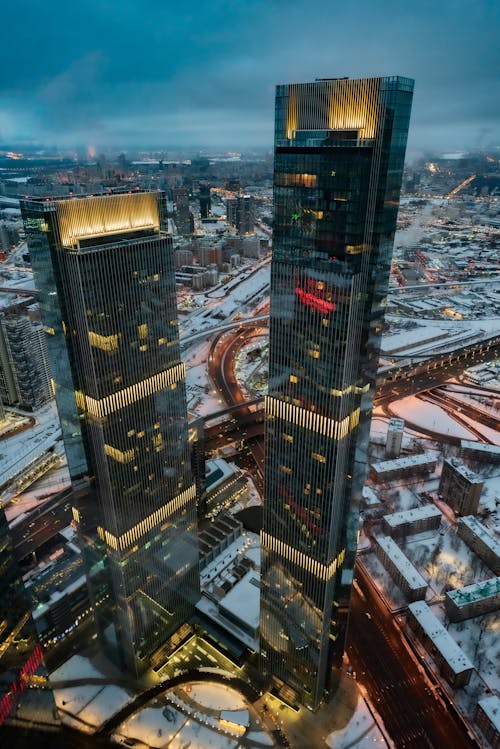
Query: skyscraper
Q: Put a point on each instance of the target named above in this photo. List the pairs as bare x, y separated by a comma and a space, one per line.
105, 270
339, 153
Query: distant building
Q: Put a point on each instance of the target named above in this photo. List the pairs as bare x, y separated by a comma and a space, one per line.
24, 379
488, 719
477, 537
183, 218
411, 465
217, 536
402, 571
418, 520
204, 198
473, 600
460, 487
479, 451
452, 662
394, 438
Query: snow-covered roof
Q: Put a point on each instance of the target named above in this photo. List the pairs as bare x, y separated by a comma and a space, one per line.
491, 706
480, 447
243, 600
475, 592
409, 516
401, 561
408, 461
444, 642
479, 530
462, 469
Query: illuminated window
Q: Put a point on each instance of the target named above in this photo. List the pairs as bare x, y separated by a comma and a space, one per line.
286, 469
140, 434
142, 330
144, 347
287, 437
318, 457
293, 378
131, 433
326, 322
161, 341
313, 353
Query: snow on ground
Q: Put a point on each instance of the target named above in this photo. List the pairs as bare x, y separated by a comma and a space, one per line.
109, 701
77, 667
360, 733
425, 415
216, 696
151, 726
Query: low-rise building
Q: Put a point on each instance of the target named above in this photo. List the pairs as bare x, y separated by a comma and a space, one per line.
488, 719
460, 487
477, 537
452, 662
473, 600
479, 452
402, 571
417, 520
225, 485
410, 465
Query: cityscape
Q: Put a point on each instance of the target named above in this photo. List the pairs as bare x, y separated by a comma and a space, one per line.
249, 417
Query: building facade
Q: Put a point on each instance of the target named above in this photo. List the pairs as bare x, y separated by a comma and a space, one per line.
339, 154
105, 270
460, 487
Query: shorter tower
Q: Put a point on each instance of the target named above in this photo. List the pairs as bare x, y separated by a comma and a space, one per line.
104, 267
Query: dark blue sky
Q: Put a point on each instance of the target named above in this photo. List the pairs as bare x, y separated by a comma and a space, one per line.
157, 72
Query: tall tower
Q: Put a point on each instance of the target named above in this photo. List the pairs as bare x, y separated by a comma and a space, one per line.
339, 153
105, 270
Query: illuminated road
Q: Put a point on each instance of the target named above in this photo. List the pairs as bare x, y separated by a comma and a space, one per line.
413, 716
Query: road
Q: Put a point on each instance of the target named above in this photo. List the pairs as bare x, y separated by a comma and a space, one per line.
413, 715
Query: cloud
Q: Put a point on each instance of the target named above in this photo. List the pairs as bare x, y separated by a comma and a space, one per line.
162, 71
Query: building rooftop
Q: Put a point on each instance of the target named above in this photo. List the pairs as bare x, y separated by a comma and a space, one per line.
409, 572
475, 592
480, 446
444, 642
462, 469
481, 532
491, 706
408, 516
408, 461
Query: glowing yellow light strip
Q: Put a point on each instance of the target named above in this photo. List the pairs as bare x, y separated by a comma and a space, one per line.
119, 455
122, 398
104, 342
120, 543
310, 420
106, 214
334, 105
322, 571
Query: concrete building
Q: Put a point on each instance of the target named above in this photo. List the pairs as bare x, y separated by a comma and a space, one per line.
410, 465
488, 719
394, 438
24, 378
402, 571
479, 452
481, 541
418, 520
460, 487
452, 662
473, 600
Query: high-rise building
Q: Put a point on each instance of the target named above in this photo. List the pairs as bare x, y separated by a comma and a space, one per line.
105, 271
205, 201
24, 378
339, 153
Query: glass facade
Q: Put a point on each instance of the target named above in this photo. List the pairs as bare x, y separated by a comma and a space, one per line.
339, 155
105, 269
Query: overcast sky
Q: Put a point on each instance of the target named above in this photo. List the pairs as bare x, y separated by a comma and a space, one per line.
163, 73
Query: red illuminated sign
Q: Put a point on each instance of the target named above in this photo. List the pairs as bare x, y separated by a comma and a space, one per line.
8, 700
315, 294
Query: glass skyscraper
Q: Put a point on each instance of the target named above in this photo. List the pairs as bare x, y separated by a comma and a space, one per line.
339, 154
104, 267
